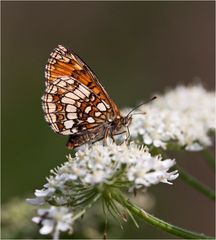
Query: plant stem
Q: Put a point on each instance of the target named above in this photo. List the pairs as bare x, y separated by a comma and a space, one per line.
192, 181
164, 226
208, 156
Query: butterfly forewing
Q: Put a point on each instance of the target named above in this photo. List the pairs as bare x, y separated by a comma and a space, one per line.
74, 101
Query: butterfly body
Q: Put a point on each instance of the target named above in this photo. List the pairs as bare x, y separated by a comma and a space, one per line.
76, 104
100, 132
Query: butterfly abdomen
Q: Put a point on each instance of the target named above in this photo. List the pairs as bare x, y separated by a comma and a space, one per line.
80, 138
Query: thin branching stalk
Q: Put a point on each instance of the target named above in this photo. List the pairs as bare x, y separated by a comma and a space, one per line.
162, 225
193, 182
209, 157
81, 213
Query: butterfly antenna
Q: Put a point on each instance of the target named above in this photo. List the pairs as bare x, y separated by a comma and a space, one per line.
139, 113
153, 98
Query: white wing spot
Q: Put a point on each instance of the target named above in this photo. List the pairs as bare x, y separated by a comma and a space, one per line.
49, 98
97, 114
65, 59
62, 48
66, 132
101, 107
47, 75
65, 78
67, 100
71, 95
49, 67
84, 90
51, 107
52, 61
74, 130
50, 118
71, 108
55, 127
52, 89
88, 109
92, 98
79, 93
72, 116
62, 84
56, 56
78, 104
70, 81
106, 104
68, 124
90, 120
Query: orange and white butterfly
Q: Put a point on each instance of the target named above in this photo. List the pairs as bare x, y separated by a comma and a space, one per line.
76, 104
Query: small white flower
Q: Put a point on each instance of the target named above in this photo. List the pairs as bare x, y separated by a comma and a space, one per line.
54, 220
184, 115
44, 192
41, 195
36, 201
151, 171
97, 176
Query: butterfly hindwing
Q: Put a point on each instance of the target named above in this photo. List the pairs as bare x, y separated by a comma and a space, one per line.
75, 103
63, 62
71, 107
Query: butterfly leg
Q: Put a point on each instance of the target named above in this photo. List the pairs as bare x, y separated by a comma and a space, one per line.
112, 136
106, 133
127, 135
127, 132
120, 133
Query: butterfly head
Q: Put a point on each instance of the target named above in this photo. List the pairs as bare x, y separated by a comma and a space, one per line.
126, 120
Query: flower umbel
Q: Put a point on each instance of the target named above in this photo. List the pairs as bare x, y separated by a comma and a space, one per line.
97, 170
98, 164
183, 116
54, 220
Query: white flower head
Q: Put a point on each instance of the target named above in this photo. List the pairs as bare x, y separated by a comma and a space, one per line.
151, 171
54, 220
98, 164
184, 116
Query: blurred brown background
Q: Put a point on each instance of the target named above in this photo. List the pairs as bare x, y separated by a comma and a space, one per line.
136, 49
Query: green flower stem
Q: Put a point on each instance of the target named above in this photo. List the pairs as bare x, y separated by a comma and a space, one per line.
192, 181
209, 157
164, 226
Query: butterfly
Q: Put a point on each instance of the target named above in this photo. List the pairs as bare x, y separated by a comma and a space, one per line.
76, 104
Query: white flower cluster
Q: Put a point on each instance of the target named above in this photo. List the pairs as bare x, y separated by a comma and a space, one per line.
54, 220
184, 116
98, 164
92, 167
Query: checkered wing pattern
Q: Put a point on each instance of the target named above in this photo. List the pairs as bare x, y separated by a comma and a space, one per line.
63, 62
74, 102
71, 107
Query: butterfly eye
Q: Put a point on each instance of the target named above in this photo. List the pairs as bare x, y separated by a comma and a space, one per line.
127, 120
